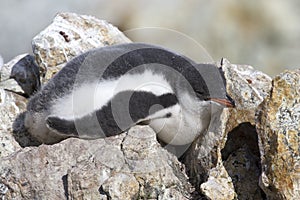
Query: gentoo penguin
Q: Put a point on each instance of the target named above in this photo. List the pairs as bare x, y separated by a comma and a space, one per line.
107, 90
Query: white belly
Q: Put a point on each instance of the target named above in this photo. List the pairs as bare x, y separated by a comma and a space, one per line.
181, 128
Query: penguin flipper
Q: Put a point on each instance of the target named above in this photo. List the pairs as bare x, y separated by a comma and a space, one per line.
86, 127
62, 126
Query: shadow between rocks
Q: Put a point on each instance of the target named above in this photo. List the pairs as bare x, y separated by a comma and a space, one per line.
65, 185
241, 159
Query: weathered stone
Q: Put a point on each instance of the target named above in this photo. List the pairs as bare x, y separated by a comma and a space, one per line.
204, 154
121, 186
70, 35
95, 169
242, 167
219, 185
6, 82
26, 73
11, 105
248, 87
278, 125
241, 160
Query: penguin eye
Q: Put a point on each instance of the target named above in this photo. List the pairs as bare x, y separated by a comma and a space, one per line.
201, 96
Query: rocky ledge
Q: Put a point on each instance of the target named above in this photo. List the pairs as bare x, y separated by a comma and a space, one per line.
249, 152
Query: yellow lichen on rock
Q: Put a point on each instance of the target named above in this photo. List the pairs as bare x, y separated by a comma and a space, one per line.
279, 128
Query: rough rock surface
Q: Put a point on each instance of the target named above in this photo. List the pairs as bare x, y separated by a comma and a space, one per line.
218, 185
205, 156
26, 73
242, 161
70, 35
10, 106
129, 166
279, 137
7, 82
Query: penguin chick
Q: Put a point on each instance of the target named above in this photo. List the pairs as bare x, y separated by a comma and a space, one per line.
110, 89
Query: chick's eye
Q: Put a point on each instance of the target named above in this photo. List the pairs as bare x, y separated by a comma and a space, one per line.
202, 96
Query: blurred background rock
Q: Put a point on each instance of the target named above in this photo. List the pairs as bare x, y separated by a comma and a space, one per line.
264, 34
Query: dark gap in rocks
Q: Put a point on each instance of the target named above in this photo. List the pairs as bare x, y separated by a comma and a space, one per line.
241, 159
20, 133
101, 191
183, 154
198, 196
197, 169
65, 184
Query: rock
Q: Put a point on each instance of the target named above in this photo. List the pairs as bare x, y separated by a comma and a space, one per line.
219, 185
70, 35
278, 125
7, 82
128, 166
242, 161
26, 73
248, 87
121, 186
11, 105
20, 75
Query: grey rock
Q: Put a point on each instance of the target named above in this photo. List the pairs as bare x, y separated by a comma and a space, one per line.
6, 82
11, 105
26, 73
121, 186
69, 35
248, 87
241, 160
3, 190
96, 169
204, 161
218, 185
278, 128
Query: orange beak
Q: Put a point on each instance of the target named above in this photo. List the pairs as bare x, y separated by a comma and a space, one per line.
225, 102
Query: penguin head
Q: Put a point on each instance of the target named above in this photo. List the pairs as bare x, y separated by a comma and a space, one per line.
213, 85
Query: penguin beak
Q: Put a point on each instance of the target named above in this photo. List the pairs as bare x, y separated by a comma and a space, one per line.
228, 101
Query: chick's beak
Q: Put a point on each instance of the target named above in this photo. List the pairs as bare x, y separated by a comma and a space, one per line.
228, 101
